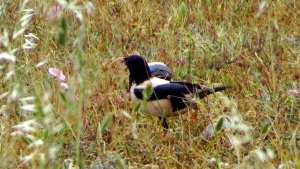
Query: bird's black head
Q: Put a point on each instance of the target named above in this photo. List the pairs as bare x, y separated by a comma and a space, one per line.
138, 68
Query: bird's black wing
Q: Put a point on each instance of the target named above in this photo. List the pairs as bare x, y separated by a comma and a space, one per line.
192, 85
201, 91
174, 91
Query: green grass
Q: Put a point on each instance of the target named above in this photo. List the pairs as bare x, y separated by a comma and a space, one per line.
250, 45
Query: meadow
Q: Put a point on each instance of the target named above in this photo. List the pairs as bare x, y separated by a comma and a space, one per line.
81, 120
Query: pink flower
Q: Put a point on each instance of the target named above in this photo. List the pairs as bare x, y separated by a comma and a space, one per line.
57, 73
53, 12
294, 91
64, 85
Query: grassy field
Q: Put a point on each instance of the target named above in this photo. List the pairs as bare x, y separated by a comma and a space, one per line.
253, 46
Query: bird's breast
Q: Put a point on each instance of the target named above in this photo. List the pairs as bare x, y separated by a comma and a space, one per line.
158, 107
132, 95
162, 107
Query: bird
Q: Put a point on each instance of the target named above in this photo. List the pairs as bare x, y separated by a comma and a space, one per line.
157, 69
166, 98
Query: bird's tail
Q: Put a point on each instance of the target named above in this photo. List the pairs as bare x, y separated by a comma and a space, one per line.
220, 88
207, 91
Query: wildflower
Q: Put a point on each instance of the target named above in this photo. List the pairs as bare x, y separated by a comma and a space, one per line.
28, 44
57, 73
297, 92
53, 12
29, 41
64, 85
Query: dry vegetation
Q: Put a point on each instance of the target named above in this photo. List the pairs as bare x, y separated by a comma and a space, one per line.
250, 45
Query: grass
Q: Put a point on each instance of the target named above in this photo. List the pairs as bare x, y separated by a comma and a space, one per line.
250, 45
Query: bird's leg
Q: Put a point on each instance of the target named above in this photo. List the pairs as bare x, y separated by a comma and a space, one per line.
164, 122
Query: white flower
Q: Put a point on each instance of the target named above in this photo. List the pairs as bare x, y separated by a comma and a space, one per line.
28, 44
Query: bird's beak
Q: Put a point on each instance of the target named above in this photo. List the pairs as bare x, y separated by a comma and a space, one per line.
120, 59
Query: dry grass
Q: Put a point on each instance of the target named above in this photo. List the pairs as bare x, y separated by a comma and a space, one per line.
252, 46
